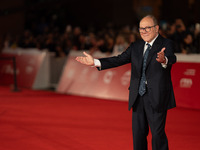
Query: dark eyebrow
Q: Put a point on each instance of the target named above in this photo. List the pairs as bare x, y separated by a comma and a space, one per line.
147, 27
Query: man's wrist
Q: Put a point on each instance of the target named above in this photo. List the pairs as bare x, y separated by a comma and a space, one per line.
164, 60
97, 63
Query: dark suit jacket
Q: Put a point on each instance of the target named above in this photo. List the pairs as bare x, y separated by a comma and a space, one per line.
159, 82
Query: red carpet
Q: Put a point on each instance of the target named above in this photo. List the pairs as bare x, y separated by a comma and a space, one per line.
41, 120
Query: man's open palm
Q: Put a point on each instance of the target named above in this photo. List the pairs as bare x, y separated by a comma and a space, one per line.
86, 60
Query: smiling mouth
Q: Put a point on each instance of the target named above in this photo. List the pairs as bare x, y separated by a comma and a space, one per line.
145, 35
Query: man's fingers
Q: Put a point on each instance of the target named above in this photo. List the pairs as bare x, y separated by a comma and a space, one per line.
163, 49
86, 54
78, 59
86, 60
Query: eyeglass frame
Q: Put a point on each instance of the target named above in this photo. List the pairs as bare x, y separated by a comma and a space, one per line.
145, 29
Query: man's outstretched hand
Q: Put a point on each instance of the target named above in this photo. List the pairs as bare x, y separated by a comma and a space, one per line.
161, 56
86, 60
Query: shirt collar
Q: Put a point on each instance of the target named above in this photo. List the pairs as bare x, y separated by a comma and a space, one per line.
151, 43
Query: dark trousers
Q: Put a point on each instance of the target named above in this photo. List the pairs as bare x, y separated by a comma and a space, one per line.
143, 117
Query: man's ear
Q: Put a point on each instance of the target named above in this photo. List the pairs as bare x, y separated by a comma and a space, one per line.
157, 28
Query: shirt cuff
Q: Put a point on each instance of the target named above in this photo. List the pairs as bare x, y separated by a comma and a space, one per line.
164, 65
97, 63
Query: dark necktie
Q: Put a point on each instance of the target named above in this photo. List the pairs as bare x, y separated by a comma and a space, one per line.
142, 87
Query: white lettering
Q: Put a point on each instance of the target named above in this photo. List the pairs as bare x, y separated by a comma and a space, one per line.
190, 72
185, 83
108, 77
125, 79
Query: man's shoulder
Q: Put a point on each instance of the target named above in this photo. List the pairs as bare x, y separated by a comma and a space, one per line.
138, 42
165, 40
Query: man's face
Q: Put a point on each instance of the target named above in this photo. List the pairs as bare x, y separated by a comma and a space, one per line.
148, 30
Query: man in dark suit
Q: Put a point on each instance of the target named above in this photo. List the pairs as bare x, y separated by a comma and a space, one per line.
151, 92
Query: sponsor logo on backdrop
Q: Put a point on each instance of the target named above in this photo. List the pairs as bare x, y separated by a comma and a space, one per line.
94, 76
70, 73
185, 83
108, 77
32, 61
84, 73
125, 79
190, 72
29, 69
8, 69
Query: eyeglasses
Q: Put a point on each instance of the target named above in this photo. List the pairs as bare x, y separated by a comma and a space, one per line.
146, 29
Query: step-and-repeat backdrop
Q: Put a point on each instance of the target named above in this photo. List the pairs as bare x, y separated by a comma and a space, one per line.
34, 70
113, 83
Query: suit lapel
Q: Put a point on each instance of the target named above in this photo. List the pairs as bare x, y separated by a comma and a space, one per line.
140, 57
155, 49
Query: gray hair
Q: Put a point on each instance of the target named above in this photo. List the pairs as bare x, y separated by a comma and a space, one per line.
155, 21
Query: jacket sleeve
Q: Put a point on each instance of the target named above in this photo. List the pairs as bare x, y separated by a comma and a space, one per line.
169, 53
116, 61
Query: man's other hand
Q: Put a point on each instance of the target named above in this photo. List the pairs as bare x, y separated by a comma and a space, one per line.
86, 60
161, 56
